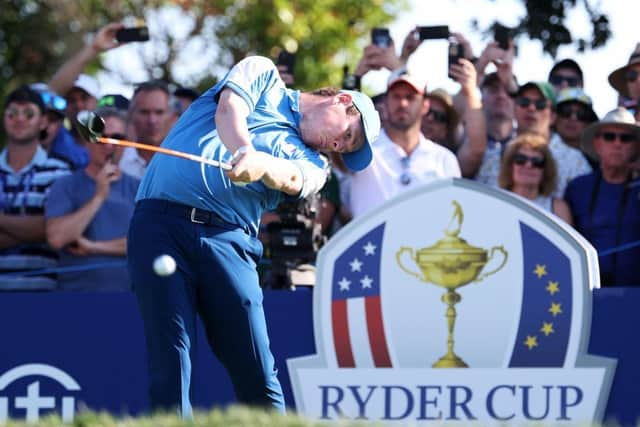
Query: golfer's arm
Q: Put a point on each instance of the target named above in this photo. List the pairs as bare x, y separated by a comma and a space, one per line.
24, 228
68, 228
231, 120
283, 175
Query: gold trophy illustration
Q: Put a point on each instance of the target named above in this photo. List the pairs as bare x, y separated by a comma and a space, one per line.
451, 263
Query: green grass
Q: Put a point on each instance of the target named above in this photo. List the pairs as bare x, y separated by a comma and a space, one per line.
234, 416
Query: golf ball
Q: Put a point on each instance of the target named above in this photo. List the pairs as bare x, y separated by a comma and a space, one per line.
164, 265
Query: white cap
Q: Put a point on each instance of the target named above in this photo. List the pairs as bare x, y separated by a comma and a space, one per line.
88, 84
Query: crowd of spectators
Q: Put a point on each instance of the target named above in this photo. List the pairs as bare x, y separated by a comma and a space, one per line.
66, 203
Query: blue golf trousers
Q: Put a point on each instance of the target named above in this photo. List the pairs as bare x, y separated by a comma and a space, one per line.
215, 278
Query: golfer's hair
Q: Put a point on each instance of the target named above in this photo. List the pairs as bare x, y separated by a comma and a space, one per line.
332, 91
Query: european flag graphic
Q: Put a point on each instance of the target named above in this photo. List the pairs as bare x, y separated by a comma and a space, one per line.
545, 319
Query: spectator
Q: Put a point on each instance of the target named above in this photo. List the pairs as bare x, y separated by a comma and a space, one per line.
88, 213
55, 138
440, 124
566, 74
497, 91
151, 119
528, 170
184, 96
605, 203
626, 79
26, 172
402, 156
534, 113
574, 112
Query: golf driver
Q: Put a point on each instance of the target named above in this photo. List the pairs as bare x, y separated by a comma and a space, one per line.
90, 126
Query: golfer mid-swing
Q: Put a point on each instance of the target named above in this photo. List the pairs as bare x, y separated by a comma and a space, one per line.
207, 219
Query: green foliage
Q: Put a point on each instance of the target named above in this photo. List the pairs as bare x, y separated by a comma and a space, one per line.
545, 20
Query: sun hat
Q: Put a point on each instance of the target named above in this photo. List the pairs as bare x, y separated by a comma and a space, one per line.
617, 79
619, 117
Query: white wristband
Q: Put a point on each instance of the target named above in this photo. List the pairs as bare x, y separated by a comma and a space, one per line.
240, 151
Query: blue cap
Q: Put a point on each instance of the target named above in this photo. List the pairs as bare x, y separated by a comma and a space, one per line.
370, 119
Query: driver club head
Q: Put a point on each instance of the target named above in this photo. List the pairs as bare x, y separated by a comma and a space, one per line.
89, 125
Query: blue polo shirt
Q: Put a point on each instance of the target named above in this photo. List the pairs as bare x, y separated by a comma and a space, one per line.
273, 124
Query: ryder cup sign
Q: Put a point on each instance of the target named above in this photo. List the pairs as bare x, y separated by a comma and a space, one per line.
454, 302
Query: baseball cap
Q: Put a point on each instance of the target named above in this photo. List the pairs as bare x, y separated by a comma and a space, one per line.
402, 75
116, 101
87, 84
52, 101
544, 88
370, 120
576, 94
25, 94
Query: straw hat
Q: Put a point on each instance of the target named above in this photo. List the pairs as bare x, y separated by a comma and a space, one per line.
616, 78
619, 117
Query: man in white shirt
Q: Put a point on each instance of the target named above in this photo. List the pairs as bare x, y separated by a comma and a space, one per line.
402, 157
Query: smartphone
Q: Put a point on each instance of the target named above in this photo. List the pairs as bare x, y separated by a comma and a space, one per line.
132, 34
288, 60
434, 32
456, 51
502, 35
381, 37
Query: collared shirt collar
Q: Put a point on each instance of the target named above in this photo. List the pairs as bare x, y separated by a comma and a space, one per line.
39, 158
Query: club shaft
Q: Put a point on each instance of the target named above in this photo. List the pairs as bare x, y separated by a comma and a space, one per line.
193, 157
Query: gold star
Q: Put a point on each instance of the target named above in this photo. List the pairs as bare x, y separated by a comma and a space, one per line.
531, 342
555, 309
540, 270
553, 287
547, 328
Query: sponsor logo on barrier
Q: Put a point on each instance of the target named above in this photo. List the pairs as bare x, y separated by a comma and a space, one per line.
33, 402
454, 302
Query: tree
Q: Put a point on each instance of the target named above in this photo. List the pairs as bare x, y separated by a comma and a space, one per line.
216, 33
545, 21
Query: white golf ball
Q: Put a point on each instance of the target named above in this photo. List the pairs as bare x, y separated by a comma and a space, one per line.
164, 265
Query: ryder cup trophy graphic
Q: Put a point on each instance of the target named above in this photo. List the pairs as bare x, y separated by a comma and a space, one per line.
451, 263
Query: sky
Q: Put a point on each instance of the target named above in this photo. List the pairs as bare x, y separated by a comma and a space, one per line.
531, 64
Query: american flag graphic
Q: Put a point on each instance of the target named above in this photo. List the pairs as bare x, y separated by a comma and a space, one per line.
356, 312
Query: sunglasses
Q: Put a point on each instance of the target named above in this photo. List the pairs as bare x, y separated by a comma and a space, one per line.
581, 114
53, 101
631, 75
524, 102
557, 80
115, 136
27, 113
522, 159
625, 138
438, 116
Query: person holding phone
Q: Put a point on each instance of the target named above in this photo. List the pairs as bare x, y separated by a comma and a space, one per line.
88, 213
